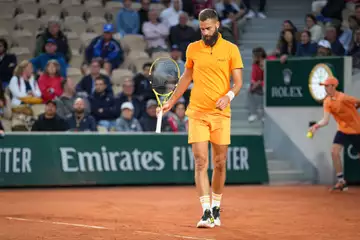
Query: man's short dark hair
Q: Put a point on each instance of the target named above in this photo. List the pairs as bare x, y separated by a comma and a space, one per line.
208, 13
100, 78
148, 64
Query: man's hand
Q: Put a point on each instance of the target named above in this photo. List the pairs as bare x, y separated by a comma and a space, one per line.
165, 108
100, 110
314, 128
223, 102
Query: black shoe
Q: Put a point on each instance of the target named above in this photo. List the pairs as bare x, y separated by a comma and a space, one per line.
216, 215
207, 220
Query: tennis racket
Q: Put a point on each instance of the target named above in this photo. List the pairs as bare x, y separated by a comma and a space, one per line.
164, 77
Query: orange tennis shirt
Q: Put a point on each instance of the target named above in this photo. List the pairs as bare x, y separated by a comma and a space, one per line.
212, 68
343, 109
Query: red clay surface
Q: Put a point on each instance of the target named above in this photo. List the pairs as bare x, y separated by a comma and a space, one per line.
163, 213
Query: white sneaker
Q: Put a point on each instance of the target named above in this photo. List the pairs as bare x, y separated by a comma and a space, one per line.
250, 14
206, 221
252, 118
216, 215
261, 15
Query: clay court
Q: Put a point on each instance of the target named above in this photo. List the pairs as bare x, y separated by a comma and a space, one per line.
249, 212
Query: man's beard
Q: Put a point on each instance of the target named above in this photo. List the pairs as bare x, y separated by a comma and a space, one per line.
212, 39
79, 111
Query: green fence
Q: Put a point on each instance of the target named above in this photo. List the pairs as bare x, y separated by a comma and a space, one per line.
352, 165
87, 159
295, 83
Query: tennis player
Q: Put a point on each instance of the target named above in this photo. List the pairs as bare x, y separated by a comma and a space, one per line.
344, 110
209, 63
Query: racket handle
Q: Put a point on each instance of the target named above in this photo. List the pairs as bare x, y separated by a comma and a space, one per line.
159, 121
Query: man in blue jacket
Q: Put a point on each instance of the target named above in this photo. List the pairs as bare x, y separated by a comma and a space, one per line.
39, 62
106, 49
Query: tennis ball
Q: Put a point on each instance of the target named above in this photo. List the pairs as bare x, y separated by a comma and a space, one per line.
309, 135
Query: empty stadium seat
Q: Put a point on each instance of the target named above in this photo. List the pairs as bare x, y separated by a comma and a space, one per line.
97, 23
118, 77
76, 24
7, 9
156, 55
22, 53
95, 8
28, 6
134, 41
75, 74
76, 59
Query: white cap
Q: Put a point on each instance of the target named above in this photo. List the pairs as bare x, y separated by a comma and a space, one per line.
324, 43
127, 105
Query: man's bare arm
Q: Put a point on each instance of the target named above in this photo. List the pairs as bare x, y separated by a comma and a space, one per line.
183, 84
324, 121
238, 81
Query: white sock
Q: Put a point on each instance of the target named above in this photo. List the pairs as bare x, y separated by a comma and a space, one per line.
340, 177
216, 199
205, 202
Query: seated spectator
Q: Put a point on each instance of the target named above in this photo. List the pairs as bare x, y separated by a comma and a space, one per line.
40, 61
332, 36
148, 120
103, 106
332, 12
143, 13
127, 122
177, 121
128, 20
231, 16
306, 48
256, 90
315, 29
199, 5
182, 34
50, 121
87, 83
5, 105
346, 38
106, 49
66, 101
155, 33
80, 121
50, 81
127, 95
23, 84
54, 32
287, 25
176, 56
170, 15
354, 51
143, 90
324, 49
2, 131
288, 45
8, 63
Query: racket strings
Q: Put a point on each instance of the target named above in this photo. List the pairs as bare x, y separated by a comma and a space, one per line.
164, 76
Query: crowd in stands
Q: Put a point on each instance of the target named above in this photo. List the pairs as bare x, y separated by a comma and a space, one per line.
83, 65
331, 29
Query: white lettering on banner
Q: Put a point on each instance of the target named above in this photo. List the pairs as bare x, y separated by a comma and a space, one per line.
15, 160
283, 92
75, 161
237, 159
352, 154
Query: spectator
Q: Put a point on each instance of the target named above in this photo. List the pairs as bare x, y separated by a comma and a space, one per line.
177, 121
182, 34
332, 11
357, 13
306, 48
66, 101
199, 5
251, 13
23, 84
50, 81
103, 106
311, 25
155, 33
287, 25
317, 5
148, 120
8, 63
176, 56
5, 106
354, 51
143, 90
40, 61
143, 13
332, 36
324, 49
128, 20
50, 121
106, 49
346, 38
288, 45
127, 95
231, 16
80, 121
170, 15
256, 90
87, 83
54, 32
1, 129
127, 122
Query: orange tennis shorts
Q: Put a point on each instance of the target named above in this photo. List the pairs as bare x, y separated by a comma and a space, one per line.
209, 127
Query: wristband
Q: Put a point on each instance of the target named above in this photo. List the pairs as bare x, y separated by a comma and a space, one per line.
231, 95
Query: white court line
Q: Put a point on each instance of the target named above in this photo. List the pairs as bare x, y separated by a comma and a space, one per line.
174, 235
57, 223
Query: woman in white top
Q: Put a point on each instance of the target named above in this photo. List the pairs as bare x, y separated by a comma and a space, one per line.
23, 84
